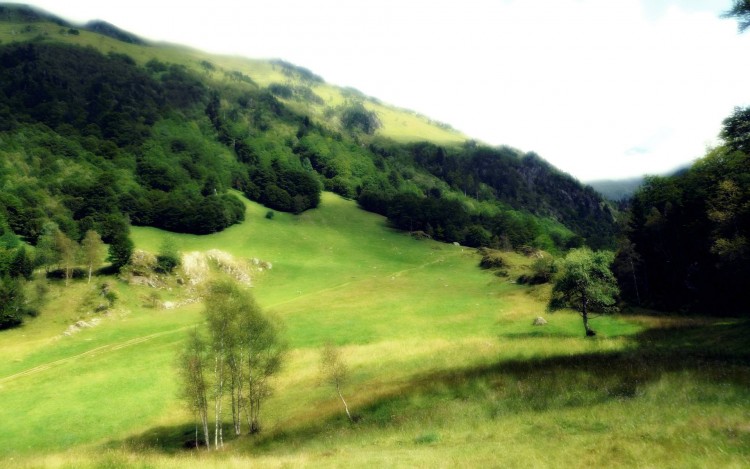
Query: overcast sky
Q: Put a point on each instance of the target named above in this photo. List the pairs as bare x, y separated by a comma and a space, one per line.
600, 88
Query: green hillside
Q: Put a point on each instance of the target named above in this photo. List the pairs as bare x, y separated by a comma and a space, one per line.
446, 365
420, 256
169, 130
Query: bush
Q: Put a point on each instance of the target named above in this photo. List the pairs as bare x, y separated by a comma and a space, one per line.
491, 260
269, 214
542, 271
166, 263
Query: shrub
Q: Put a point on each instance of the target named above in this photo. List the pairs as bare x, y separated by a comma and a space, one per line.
491, 260
542, 271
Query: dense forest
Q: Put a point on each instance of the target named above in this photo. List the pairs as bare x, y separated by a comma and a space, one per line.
686, 245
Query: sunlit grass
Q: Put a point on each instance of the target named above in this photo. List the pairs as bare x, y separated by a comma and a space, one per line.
446, 367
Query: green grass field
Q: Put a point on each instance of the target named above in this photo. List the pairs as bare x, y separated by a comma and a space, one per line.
447, 370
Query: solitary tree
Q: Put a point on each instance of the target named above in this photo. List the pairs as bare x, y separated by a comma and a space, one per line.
92, 251
335, 372
586, 285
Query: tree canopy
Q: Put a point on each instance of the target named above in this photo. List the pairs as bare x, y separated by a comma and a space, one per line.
586, 284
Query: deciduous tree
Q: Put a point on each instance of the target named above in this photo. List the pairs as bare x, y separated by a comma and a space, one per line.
586, 285
192, 364
242, 352
92, 251
335, 372
67, 250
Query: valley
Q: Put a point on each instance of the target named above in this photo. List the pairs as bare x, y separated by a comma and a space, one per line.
214, 261
447, 367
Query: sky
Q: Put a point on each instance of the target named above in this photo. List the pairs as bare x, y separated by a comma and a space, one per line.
603, 89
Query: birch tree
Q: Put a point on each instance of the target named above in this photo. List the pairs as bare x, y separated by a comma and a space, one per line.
223, 305
243, 352
92, 250
192, 364
263, 357
335, 372
67, 250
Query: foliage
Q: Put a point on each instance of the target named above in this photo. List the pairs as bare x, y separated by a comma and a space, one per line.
97, 136
492, 260
12, 302
357, 118
241, 353
192, 364
741, 12
92, 251
736, 128
586, 284
543, 270
120, 245
706, 270
168, 257
522, 181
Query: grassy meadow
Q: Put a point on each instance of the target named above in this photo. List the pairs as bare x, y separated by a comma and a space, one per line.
446, 367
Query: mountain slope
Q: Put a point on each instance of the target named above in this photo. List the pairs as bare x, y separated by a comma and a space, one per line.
176, 128
617, 190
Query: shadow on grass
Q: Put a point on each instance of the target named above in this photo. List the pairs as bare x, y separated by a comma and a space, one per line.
711, 353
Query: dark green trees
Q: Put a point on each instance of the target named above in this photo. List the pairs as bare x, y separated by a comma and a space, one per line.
12, 302
690, 234
586, 284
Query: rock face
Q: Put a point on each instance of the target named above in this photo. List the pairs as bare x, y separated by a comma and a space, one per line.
540, 321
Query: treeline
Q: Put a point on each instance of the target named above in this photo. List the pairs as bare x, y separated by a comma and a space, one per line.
60, 257
688, 240
523, 182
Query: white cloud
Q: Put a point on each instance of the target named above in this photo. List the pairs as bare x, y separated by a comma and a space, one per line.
600, 89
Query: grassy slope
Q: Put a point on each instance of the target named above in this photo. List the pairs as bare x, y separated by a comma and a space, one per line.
446, 368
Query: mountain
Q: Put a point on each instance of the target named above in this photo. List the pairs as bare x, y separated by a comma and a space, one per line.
106, 29
98, 125
20, 14
617, 189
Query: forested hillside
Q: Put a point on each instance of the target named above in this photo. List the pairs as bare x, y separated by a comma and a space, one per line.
687, 241
89, 134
